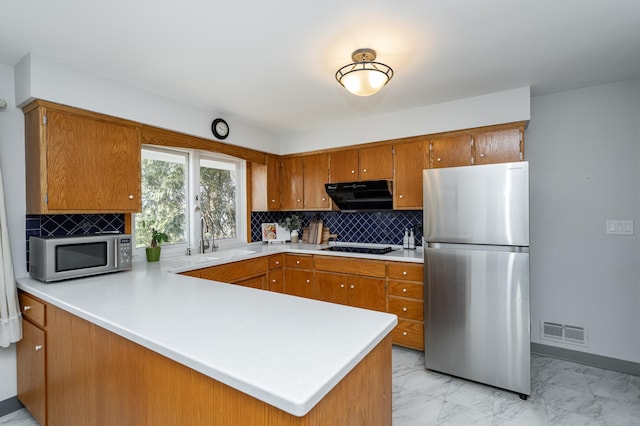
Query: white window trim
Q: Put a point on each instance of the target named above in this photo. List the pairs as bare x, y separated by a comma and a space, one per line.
193, 218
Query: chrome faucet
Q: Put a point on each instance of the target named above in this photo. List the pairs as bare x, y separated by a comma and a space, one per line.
204, 244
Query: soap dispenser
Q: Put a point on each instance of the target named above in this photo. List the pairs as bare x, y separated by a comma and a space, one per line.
405, 239
412, 241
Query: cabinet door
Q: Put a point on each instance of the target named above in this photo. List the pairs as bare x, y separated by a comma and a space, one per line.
332, 288
92, 165
276, 280
273, 183
292, 182
376, 163
451, 152
299, 282
344, 166
367, 293
316, 174
259, 282
31, 370
410, 160
501, 146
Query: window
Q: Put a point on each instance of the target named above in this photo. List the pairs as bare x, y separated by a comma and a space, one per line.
179, 187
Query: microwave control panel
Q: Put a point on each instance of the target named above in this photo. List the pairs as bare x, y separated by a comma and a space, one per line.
125, 252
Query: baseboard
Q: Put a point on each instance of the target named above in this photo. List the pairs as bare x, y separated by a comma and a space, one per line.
600, 361
10, 405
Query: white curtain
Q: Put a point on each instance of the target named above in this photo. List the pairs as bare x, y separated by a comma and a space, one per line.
10, 318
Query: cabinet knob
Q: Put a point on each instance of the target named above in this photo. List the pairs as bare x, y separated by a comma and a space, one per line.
404, 290
401, 196
273, 281
439, 159
404, 272
131, 196
298, 200
308, 281
341, 285
352, 286
353, 172
481, 155
26, 308
297, 262
404, 333
273, 201
364, 170
277, 262
324, 199
38, 347
404, 309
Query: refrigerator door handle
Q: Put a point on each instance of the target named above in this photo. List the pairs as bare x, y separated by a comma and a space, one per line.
481, 247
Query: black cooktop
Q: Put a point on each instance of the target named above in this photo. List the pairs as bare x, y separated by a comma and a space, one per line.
356, 249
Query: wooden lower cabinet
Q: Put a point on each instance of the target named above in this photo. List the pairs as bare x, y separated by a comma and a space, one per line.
406, 300
249, 273
95, 377
361, 292
31, 354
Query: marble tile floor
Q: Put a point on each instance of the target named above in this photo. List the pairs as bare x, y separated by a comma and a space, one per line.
563, 394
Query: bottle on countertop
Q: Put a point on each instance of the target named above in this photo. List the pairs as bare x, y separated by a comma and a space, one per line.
405, 239
412, 241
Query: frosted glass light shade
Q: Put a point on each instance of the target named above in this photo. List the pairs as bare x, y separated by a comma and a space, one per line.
365, 77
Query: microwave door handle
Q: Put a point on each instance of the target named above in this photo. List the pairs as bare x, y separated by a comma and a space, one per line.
115, 254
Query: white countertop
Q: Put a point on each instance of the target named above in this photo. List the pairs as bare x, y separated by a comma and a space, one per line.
284, 350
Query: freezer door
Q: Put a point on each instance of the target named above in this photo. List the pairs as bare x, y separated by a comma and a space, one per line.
477, 314
487, 204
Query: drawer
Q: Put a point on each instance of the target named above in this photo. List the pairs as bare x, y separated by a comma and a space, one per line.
351, 266
276, 261
32, 309
407, 308
411, 289
409, 333
405, 271
304, 261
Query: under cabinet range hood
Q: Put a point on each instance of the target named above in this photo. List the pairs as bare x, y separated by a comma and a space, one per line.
365, 195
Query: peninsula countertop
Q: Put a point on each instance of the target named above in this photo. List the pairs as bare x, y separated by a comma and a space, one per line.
284, 350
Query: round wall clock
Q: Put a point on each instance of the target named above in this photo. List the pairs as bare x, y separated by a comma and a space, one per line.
220, 128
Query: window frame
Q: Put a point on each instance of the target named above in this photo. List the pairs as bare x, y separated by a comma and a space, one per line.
192, 183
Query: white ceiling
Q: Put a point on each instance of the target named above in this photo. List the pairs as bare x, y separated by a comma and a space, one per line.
273, 62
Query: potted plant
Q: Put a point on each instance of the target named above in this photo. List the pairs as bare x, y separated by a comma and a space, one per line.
292, 223
153, 251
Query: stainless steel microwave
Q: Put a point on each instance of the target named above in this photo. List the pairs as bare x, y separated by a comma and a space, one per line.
61, 258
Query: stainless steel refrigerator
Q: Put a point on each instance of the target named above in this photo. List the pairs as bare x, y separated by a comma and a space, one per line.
476, 228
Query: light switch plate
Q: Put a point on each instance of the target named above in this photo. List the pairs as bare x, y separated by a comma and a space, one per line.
620, 227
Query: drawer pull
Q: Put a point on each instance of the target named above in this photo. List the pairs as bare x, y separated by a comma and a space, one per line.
401, 196
404, 272
308, 281
297, 262
341, 285
404, 290
352, 286
364, 170
273, 201
353, 172
273, 281
277, 262
404, 309
26, 308
404, 333
131, 196
38, 347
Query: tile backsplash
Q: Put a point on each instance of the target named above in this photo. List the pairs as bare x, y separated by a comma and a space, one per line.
382, 227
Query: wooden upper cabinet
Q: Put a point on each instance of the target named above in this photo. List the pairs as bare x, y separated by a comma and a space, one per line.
362, 164
316, 174
410, 160
80, 163
345, 165
376, 162
451, 151
501, 146
273, 183
292, 184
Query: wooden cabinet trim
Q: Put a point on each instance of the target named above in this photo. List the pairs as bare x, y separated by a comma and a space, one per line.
350, 265
32, 309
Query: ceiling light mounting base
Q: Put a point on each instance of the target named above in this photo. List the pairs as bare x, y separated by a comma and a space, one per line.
360, 55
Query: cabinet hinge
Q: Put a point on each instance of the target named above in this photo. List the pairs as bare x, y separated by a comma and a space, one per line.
44, 119
521, 157
46, 198
393, 150
520, 136
472, 141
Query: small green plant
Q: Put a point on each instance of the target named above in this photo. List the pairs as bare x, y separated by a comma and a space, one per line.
158, 237
291, 223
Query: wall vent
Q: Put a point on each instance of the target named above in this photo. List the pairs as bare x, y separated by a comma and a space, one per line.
564, 333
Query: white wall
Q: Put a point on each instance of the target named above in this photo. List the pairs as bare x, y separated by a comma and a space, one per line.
584, 150
494, 108
38, 77
12, 164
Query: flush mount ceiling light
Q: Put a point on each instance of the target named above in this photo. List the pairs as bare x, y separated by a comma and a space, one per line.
364, 77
